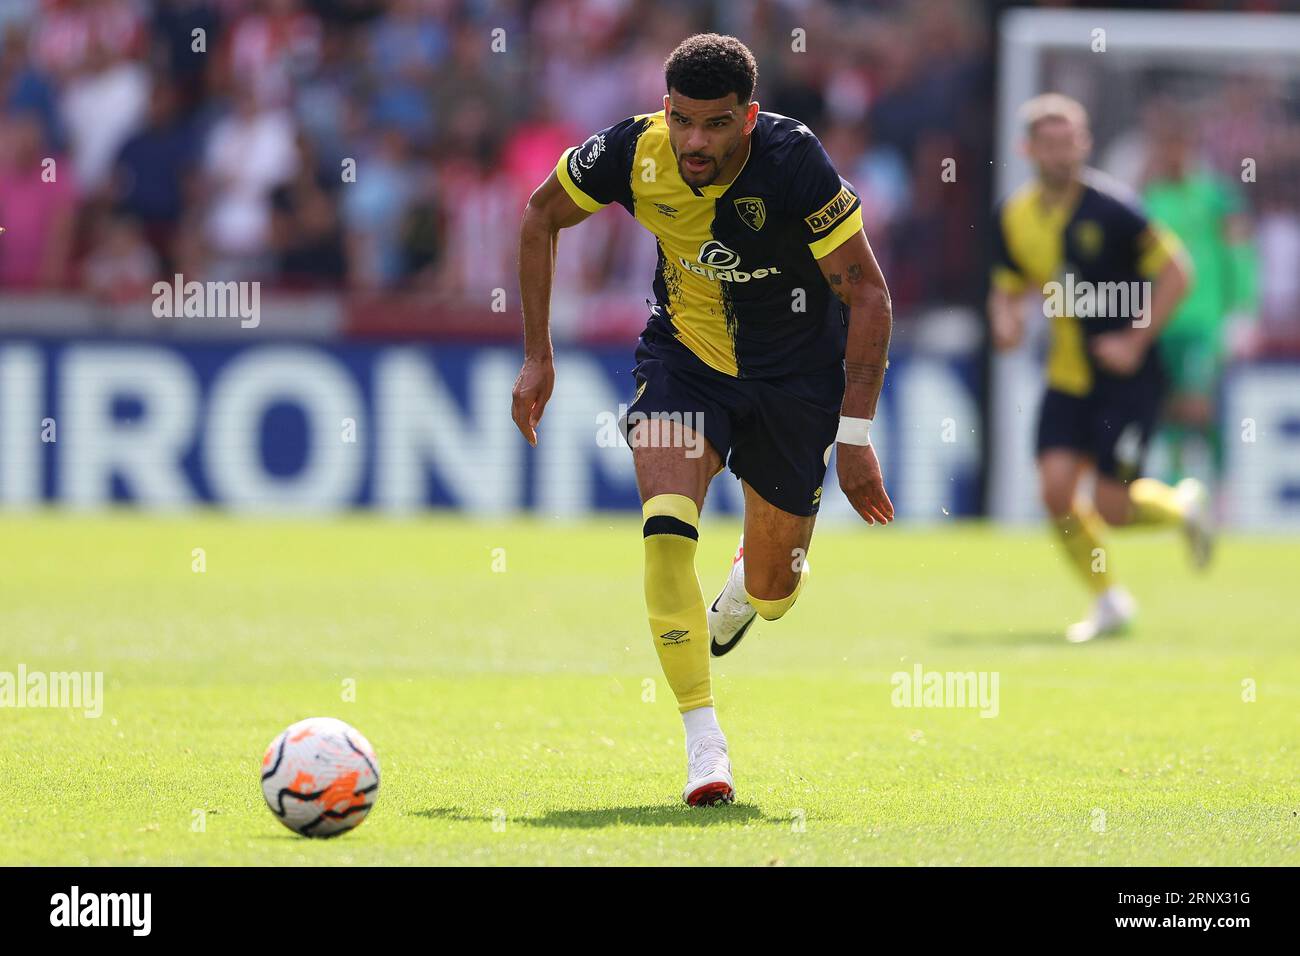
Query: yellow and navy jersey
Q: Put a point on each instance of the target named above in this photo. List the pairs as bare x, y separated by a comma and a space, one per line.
737, 279
1099, 238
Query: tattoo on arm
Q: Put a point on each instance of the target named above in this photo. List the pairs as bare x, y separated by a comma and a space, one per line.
836, 284
863, 373
856, 276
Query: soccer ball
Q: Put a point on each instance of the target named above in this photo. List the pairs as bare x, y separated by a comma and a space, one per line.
320, 777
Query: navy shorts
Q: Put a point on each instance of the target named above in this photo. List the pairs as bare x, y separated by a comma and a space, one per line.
775, 433
1112, 424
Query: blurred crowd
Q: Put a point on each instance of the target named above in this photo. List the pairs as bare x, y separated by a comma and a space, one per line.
380, 145
391, 144
1240, 133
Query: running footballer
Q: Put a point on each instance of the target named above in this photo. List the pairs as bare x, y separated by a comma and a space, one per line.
770, 329
1071, 227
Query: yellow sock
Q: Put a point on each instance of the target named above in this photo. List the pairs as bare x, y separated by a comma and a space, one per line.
1080, 532
673, 598
1154, 502
771, 610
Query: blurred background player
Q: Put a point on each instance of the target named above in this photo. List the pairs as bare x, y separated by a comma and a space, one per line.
1205, 211
745, 361
1069, 227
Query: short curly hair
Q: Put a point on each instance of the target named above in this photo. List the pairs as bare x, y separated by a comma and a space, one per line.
708, 66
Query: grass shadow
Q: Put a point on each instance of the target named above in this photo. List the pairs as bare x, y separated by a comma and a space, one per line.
593, 818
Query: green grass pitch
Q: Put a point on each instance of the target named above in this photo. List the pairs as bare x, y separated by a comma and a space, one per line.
510, 708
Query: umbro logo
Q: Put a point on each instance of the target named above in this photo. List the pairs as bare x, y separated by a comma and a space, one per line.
674, 637
666, 209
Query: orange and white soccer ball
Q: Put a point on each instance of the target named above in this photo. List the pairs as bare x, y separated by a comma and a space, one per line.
320, 777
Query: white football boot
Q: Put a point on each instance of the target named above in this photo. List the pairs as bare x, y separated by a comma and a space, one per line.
1112, 613
1198, 522
731, 613
708, 772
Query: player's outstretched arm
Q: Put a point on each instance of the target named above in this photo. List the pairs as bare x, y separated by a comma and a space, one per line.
549, 210
854, 276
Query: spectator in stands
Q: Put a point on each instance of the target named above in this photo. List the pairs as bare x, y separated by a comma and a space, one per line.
405, 50
477, 192
248, 153
72, 37
121, 266
24, 88
307, 235
105, 99
186, 34
37, 207
326, 101
374, 209
270, 47
422, 232
154, 171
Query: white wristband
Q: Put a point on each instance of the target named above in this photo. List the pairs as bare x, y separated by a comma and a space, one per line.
854, 431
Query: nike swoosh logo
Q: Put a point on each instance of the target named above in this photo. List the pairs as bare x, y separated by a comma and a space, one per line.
735, 637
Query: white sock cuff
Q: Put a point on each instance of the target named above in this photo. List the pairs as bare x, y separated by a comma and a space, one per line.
700, 721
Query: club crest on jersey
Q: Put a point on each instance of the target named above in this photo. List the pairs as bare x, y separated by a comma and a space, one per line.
1088, 237
752, 212
719, 263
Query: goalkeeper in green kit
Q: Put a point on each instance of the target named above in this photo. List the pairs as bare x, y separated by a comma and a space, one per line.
1205, 211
